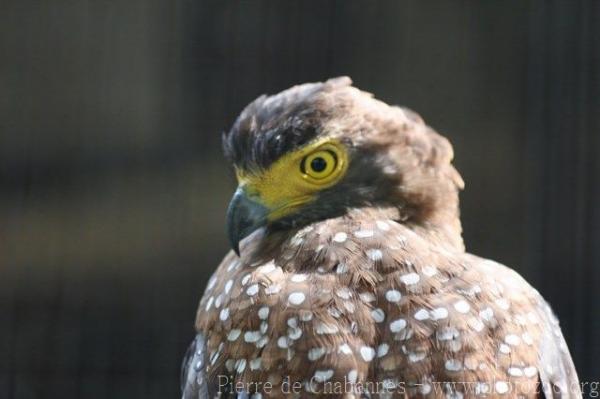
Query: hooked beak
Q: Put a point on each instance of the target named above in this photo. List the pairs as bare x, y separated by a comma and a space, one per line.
244, 216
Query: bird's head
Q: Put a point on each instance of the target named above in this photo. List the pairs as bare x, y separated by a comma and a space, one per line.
316, 150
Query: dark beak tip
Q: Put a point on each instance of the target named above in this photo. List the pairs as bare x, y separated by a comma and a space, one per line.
234, 242
244, 216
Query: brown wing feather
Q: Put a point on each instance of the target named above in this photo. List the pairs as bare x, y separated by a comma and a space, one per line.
557, 373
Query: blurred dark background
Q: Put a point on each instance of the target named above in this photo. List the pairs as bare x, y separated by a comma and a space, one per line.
113, 186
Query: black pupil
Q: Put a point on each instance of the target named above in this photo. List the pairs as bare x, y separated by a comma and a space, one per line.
318, 164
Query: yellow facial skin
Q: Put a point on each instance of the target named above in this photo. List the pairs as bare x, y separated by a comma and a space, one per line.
296, 178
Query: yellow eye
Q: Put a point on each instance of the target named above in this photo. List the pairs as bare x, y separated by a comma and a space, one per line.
320, 164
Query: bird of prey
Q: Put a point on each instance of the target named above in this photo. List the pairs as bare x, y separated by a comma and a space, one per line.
348, 276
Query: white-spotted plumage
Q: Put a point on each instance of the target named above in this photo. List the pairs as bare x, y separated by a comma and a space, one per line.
380, 292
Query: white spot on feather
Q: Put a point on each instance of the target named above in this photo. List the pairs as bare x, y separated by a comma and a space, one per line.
233, 265
363, 233
415, 357
267, 268
367, 297
341, 268
209, 303
323, 375
352, 376
410, 278
340, 237
323, 328
425, 388
397, 325
316, 353
255, 364
512, 339
462, 306
282, 342
503, 303
378, 315
422, 314
515, 372
393, 295
367, 353
211, 283
262, 342
487, 314
475, 324
306, 315
375, 254
252, 290
296, 298
264, 326
240, 365
439, 313
272, 289
453, 365
252, 336
224, 315
263, 313
527, 338
294, 333
228, 286
447, 334
501, 387
219, 301
429, 271
381, 225
298, 278
233, 334
382, 350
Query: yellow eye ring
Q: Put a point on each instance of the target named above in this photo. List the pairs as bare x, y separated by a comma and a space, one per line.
320, 164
